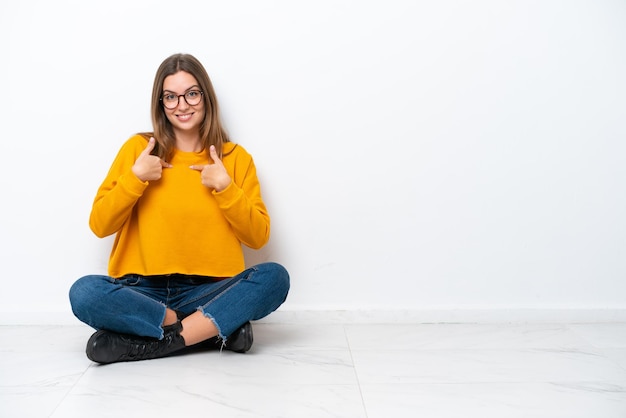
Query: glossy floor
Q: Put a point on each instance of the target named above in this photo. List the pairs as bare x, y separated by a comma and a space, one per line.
373, 371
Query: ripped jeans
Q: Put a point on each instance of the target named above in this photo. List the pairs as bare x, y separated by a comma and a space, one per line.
136, 304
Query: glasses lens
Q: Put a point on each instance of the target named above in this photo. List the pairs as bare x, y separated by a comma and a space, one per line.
193, 97
169, 100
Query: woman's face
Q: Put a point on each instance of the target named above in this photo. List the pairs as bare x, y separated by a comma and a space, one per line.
178, 89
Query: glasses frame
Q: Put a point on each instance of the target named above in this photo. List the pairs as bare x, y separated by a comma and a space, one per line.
178, 96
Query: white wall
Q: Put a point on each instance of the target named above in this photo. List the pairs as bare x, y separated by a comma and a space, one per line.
414, 154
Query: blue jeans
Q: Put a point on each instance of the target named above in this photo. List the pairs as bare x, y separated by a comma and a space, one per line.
136, 304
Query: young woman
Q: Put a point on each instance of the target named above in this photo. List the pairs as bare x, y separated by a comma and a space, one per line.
181, 200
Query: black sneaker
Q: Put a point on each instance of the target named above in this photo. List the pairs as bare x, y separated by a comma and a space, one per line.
240, 341
109, 347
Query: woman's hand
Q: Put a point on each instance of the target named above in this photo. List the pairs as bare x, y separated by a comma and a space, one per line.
213, 175
149, 167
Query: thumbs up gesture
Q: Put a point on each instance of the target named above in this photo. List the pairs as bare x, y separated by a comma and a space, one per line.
213, 175
149, 167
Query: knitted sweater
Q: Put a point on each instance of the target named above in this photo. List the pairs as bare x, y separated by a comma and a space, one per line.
175, 224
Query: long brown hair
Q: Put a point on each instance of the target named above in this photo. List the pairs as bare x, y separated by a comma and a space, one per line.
211, 130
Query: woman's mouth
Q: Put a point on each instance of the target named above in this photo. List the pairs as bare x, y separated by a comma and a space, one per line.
184, 117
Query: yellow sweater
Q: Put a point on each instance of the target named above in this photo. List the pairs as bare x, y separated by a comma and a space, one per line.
175, 224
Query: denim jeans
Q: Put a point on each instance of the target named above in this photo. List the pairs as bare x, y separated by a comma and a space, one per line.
136, 304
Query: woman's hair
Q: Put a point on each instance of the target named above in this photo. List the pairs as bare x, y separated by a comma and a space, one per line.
211, 130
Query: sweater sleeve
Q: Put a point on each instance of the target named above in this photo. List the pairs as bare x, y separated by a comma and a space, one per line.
242, 204
119, 191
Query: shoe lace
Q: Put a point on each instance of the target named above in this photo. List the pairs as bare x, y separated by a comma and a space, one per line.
144, 349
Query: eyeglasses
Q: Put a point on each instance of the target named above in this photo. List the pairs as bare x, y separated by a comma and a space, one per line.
171, 100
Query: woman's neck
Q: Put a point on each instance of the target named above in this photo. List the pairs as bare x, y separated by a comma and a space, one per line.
188, 143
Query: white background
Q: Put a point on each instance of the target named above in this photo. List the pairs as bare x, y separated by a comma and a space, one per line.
414, 155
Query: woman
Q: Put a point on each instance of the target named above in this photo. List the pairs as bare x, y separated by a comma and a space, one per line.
181, 201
